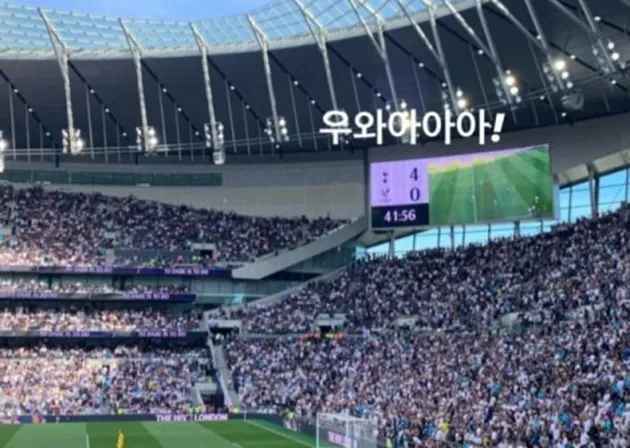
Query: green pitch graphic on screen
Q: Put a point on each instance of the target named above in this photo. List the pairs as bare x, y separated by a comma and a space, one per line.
505, 187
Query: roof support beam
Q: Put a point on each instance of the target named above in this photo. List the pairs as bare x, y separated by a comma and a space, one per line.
320, 35
263, 43
593, 188
489, 50
437, 51
136, 53
471, 31
421, 34
595, 34
63, 55
573, 18
589, 28
519, 26
203, 49
543, 81
494, 54
543, 43
380, 45
540, 41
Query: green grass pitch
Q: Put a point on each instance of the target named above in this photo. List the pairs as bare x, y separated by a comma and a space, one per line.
499, 189
230, 434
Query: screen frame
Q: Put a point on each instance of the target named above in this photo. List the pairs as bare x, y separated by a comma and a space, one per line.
555, 191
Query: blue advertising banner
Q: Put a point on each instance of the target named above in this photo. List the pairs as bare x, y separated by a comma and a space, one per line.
141, 296
190, 271
159, 334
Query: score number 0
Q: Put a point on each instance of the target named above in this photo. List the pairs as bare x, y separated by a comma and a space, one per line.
414, 192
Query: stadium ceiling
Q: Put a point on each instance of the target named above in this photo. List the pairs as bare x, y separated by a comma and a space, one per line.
296, 59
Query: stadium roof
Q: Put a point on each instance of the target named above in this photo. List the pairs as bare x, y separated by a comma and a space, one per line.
356, 35
284, 22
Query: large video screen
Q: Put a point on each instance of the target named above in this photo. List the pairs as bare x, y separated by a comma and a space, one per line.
508, 185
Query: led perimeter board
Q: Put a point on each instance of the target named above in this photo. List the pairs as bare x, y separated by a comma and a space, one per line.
508, 185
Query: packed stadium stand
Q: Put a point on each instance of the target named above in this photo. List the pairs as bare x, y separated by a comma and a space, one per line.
57, 228
193, 253
45, 380
555, 271
561, 376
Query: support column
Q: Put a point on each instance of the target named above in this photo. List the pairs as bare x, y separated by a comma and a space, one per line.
203, 50
392, 244
296, 119
593, 187
62, 53
136, 54
88, 107
263, 42
161, 92
12, 113
570, 204
27, 125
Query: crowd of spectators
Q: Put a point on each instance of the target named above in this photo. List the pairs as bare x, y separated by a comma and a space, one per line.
68, 382
91, 318
61, 228
571, 266
156, 384
562, 384
561, 380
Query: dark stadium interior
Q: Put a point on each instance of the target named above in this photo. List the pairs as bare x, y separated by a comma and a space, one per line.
41, 84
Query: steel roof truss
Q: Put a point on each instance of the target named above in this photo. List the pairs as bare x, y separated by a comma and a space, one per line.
380, 45
203, 50
136, 53
321, 37
263, 43
62, 54
441, 58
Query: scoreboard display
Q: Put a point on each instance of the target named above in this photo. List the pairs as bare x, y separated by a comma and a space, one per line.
508, 185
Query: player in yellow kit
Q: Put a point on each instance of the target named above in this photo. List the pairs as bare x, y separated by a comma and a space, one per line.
120, 441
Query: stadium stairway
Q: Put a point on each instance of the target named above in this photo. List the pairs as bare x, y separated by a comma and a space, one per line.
272, 263
224, 374
200, 389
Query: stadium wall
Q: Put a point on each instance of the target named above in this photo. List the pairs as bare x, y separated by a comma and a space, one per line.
337, 188
310, 189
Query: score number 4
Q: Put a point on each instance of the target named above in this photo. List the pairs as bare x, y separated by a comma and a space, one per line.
414, 192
